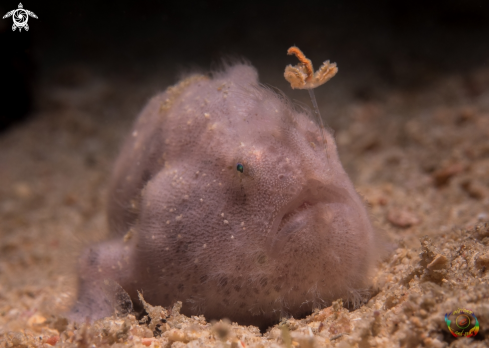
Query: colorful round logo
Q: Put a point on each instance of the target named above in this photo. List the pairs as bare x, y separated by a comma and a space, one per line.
462, 323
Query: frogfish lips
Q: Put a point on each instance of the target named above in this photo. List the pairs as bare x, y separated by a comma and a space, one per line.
315, 199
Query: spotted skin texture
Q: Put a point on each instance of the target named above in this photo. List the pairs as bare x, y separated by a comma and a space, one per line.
286, 235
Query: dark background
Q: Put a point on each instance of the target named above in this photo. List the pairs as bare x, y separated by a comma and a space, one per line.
378, 45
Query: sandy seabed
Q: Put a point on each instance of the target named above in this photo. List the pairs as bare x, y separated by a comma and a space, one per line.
420, 158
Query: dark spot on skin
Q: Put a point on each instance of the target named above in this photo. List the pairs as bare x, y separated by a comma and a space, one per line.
239, 195
180, 287
267, 292
146, 176
261, 259
277, 288
242, 305
181, 247
222, 282
237, 288
227, 292
256, 291
203, 279
92, 257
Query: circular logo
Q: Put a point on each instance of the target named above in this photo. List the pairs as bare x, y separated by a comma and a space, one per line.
462, 323
20, 17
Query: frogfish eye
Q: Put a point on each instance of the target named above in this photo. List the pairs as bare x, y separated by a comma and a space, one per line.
240, 167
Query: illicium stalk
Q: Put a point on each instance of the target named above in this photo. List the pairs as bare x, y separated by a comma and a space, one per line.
302, 76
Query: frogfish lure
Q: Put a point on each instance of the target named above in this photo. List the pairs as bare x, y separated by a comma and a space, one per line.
302, 76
